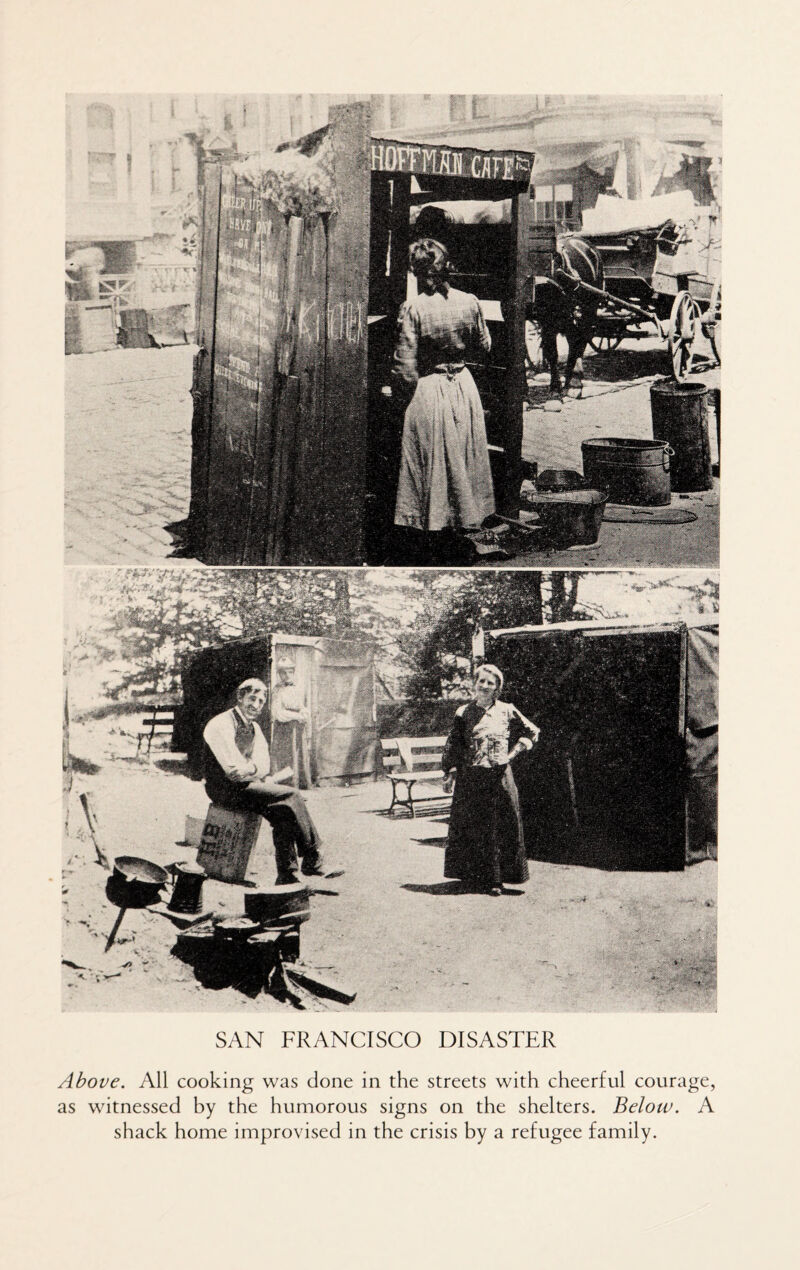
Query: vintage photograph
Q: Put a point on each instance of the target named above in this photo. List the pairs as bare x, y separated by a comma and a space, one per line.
411, 330
389, 790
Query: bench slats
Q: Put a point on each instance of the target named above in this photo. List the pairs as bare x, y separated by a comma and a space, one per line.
412, 763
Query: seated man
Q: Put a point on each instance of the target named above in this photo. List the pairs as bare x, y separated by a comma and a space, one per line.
237, 776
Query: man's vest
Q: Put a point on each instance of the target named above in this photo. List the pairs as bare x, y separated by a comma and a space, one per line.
217, 782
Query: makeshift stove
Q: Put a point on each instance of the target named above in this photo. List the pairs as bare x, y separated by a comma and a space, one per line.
257, 950
260, 943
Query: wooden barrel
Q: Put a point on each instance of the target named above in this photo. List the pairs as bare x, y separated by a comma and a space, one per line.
680, 417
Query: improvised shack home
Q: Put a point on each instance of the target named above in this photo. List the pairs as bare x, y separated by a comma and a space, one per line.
334, 677
303, 268
625, 772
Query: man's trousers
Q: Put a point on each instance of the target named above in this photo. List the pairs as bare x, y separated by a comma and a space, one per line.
293, 831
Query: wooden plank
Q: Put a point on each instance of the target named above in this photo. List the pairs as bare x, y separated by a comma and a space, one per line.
273, 246
300, 509
235, 409
311, 981
343, 490
437, 159
400, 240
507, 496
202, 374
88, 809
285, 393
379, 238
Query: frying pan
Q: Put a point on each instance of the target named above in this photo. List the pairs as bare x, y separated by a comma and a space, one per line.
134, 883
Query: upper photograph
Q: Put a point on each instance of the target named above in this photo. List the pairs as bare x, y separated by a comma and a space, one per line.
393, 330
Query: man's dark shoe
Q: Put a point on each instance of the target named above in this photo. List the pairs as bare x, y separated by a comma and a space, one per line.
319, 870
287, 879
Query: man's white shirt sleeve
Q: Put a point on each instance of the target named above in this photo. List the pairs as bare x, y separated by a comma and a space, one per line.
219, 735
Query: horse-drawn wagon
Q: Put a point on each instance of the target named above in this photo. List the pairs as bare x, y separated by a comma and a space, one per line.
634, 266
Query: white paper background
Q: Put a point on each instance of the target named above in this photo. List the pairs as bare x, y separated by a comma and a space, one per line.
717, 1193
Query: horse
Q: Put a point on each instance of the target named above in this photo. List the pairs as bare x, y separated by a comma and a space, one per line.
561, 306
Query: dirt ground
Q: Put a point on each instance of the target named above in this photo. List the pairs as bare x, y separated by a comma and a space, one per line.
573, 939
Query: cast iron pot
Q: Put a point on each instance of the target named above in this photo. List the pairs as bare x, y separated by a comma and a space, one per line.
571, 518
137, 882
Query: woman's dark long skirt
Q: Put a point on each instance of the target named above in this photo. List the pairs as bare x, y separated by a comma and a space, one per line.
485, 843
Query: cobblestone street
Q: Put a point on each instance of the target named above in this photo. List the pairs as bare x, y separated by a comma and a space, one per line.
128, 451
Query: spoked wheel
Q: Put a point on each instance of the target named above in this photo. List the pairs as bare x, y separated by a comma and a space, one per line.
712, 321
605, 343
684, 323
533, 346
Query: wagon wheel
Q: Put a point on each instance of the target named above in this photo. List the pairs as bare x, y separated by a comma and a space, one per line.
605, 343
683, 327
533, 346
712, 321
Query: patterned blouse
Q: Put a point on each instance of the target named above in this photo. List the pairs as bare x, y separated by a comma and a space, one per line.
483, 738
438, 330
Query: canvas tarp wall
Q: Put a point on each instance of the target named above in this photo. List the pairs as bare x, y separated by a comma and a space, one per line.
625, 772
337, 677
337, 681
702, 743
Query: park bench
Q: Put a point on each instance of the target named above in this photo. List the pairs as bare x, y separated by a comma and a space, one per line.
415, 763
160, 722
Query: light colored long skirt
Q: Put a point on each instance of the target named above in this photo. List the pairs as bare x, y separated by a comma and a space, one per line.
445, 478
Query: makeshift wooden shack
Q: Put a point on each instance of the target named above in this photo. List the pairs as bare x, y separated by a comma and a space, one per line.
336, 678
303, 268
625, 773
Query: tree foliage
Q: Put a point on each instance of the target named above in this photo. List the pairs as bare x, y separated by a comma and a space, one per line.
131, 630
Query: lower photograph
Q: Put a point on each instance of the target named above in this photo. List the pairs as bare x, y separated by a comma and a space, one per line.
390, 790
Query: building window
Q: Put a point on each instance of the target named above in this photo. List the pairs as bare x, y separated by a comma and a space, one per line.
100, 128
553, 203
227, 114
175, 165
174, 107
249, 112
296, 114
68, 140
458, 109
153, 109
102, 175
155, 170
480, 107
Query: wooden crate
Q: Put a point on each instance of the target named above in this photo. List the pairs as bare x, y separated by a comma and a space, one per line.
229, 845
90, 326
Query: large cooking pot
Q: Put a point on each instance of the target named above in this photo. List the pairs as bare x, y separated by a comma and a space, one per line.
570, 518
135, 883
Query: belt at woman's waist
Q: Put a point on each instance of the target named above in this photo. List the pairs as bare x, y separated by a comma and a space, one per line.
450, 369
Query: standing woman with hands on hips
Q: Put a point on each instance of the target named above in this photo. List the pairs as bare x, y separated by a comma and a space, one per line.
485, 843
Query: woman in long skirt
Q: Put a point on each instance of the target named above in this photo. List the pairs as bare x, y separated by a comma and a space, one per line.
445, 483
485, 843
